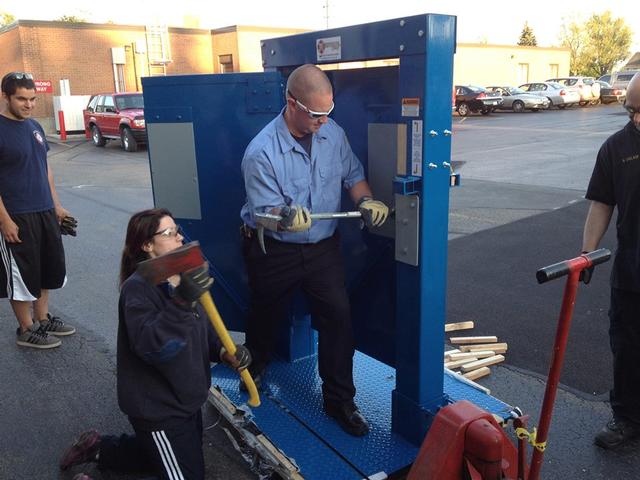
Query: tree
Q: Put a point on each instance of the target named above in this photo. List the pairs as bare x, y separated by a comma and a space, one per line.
527, 37
71, 19
597, 45
609, 42
6, 19
572, 36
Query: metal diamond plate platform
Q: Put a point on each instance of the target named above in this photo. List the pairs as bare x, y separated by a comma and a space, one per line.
291, 416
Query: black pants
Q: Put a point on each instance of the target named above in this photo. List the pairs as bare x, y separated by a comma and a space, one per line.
624, 336
173, 453
318, 271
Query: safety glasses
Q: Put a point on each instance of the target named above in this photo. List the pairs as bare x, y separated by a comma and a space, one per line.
20, 76
170, 232
311, 113
631, 110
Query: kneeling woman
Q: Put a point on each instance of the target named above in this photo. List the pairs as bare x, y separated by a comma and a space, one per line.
165, 346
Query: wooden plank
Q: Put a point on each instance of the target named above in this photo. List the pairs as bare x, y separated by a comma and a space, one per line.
478, 373
485, 362
496, 347
459, 363
467, 340
452, 327
479, 354
448, 353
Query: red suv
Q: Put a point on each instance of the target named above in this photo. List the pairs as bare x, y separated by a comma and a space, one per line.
116, 116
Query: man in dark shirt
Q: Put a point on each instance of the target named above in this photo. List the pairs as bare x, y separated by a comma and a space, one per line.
30, 214
615, 182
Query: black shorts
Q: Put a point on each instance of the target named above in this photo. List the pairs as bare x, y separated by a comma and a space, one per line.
35, 264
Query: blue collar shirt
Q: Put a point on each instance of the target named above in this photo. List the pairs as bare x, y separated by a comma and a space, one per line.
277, 171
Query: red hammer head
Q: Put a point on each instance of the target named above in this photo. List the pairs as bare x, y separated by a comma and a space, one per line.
157, 269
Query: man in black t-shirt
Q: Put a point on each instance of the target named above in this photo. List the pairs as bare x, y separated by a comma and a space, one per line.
31, 252
615, 182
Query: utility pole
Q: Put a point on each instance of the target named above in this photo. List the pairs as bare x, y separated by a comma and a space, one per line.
326, 13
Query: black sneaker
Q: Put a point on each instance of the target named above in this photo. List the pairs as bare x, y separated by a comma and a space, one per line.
617, 433
54, 326
36, 337
349, 418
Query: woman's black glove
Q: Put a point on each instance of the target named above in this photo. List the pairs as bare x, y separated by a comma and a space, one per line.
239, 361
193, 283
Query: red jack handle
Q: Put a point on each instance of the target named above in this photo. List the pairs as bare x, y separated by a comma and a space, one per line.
572, 268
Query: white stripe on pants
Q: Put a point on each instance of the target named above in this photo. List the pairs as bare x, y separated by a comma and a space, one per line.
166, 454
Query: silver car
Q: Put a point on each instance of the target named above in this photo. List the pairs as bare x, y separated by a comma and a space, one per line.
518, 100
558, 95
587, 87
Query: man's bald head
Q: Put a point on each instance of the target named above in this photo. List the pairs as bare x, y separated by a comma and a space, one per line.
633, 91
308, 80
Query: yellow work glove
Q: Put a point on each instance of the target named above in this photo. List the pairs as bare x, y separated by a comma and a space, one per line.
374, 212
295, 218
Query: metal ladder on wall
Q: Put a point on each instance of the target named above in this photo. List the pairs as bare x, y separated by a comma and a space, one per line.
158, 49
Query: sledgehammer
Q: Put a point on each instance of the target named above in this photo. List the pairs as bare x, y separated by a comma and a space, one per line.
182, 259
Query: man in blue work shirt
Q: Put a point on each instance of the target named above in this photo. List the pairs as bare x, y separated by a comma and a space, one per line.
298, 164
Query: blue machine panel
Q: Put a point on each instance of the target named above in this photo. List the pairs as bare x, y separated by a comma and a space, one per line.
292, 407
226, 111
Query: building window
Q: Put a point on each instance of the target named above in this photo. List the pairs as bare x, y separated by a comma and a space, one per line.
118, 73
226, 63
523, 73
554, 69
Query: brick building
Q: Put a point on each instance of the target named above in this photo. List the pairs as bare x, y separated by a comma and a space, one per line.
113, 58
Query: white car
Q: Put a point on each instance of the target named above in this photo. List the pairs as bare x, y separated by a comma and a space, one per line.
587, 87
558, 95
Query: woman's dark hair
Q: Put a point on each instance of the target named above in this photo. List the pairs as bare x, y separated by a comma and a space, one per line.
141, 229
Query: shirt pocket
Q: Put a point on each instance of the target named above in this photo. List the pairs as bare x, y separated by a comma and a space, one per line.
331, 180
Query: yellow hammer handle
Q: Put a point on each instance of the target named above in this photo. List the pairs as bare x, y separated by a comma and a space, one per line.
229, 346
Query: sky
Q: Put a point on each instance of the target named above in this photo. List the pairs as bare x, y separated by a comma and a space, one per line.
490, 21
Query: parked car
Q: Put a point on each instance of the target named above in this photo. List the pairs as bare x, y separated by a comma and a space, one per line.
608, 94
110, 116
587, 87
558, 95
470, 98
605, 78
621, 79
518, 100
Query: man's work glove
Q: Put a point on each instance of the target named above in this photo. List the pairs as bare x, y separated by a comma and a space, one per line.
193, 283
374, 212
587, 273
68, 226
239, 361
295, 218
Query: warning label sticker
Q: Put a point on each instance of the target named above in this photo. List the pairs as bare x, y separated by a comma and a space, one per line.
329, 48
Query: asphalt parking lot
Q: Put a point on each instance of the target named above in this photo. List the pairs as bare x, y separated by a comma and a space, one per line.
520, 207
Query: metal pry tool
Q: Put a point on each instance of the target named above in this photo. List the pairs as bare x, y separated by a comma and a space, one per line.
270, 221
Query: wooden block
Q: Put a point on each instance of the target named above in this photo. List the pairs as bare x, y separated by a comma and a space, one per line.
479, 354
459, 363
451, 327
478, 373
448, 353
485, 362
496, 347
474, 340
